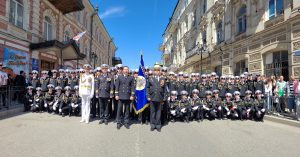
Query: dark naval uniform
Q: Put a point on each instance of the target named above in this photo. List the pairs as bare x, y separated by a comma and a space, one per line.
65, 104
53, 81
75, 107
72, 82
203, 87
49, 101
104, 90
156, 89
35, 82
124, 89
62, 82
44, 83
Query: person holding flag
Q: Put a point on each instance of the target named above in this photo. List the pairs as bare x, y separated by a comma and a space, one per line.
156, 90
140, 91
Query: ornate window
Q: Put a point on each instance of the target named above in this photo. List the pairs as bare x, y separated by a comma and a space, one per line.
16, 13
219, 31
48, 29
67, 36
242, 20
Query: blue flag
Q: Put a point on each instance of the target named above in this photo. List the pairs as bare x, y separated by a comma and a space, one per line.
140, 90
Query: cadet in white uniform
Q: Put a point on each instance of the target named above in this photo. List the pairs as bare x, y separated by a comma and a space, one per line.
86, 92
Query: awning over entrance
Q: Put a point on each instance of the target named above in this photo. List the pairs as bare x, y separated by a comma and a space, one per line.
67, 6
66, 51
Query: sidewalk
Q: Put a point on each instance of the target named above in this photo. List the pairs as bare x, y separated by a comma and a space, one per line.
283, 120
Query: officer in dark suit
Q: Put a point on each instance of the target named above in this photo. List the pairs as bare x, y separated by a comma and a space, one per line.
35, 82
61, 80
44, 81
73, 80
124, 92
156, 89
52, 80
181, 84
104, 91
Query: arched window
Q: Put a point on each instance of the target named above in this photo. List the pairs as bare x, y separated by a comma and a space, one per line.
66, 36
242, 20
48, 28
275, 8
16, 12
219, 31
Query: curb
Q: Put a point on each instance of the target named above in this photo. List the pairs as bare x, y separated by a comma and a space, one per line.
284, 121
11, 112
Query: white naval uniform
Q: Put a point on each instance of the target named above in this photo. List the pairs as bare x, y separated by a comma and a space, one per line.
86, 92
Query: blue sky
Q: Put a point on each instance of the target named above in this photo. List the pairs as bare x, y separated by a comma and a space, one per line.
136, 25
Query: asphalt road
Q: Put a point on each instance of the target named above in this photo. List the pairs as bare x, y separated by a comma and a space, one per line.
44, 135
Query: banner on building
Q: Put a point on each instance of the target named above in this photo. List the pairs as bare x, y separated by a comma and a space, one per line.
35, 64
15, 61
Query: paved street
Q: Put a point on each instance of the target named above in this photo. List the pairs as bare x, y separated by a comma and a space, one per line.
35, 134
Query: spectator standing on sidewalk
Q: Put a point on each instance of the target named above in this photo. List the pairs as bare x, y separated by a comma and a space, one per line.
269, 93
281, 88
3, 85
292, 91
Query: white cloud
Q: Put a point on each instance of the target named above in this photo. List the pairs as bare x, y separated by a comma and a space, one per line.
114, 11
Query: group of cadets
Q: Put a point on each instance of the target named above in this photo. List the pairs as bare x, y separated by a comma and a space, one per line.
174, 97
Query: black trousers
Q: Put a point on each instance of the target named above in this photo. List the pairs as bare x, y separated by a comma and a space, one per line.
155, 114
126, 105
94, 108
115, 108
164, 113
104, 108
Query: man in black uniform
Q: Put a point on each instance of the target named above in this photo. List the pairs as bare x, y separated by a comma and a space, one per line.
193, 84
156, 89
44, 81
28, 98
53, 80
35, 82
104, 91
73, 80
181, 84
203, 86
49, 98
75, 107
124, 92
61, 80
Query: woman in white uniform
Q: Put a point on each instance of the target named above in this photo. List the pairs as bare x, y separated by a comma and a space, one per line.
86, 92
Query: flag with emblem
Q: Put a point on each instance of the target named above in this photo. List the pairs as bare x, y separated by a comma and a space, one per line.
78, 36
140, 90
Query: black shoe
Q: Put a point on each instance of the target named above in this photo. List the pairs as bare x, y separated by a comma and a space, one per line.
118, 126
106, 122
101, 122
127, 126
147, 122
63, 115
151, 129
158, 129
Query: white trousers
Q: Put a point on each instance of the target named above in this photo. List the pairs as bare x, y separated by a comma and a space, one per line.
85, 108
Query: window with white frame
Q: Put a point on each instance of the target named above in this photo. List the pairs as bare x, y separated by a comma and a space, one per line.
219, 31
275, 8
48, 28
16, 13
242, 20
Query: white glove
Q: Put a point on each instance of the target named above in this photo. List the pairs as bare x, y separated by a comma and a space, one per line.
59, 110
236, 115
75, 106
195, 108
54, 108
206, 108
30, 100
219, 108
173, 112
72, 104
263, 110
183, 110
259, 112
36, 105
248, 110
226, 108
31, 104
37, 100
50, 103
97, 96
228, 113
55, 104
169, 98
45, 105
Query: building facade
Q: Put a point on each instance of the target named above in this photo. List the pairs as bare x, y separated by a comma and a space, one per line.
233, 36
36, 34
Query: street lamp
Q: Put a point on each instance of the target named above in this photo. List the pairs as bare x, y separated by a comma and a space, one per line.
221, 61
202, 48
94, 57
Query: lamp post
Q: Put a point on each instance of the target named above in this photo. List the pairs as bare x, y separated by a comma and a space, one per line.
95, 58
221, 61
91, 26
202, 49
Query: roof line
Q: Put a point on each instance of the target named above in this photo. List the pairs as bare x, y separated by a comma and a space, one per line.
171, 16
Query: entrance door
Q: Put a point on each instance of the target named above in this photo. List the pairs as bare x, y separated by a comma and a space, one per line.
46, 65
279, 66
